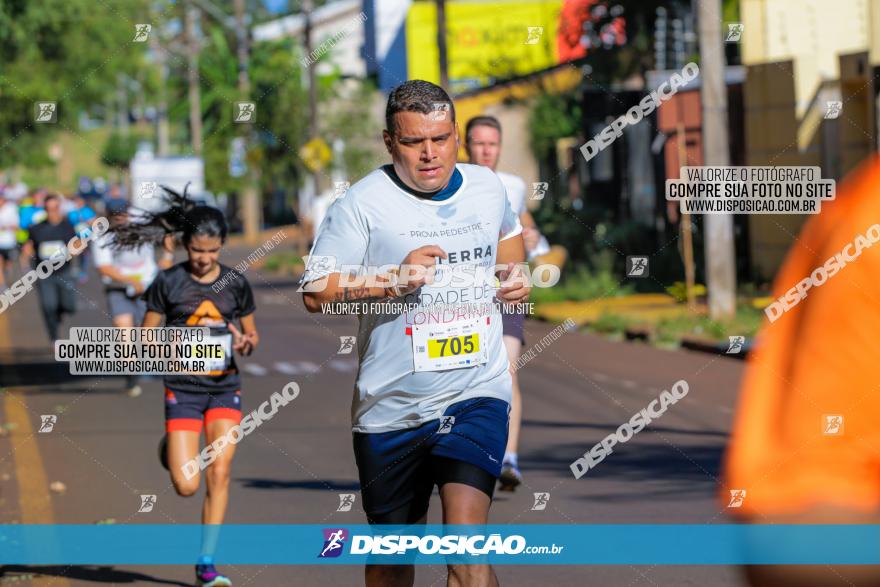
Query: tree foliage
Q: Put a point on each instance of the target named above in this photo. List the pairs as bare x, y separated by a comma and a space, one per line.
276, 89
63, 51
552, 117
119, 150
77, 53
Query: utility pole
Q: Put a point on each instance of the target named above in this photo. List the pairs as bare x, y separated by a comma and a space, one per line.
195, 100
140, 104
162, 98
122, 96
687, 243
719, 252
251, 212
308, 7
306, 197
441, 44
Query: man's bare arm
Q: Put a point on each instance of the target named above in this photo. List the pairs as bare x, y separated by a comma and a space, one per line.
411, 274
511, 255
511, 250
332, 292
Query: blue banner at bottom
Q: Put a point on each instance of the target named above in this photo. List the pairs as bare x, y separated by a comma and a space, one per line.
523, 544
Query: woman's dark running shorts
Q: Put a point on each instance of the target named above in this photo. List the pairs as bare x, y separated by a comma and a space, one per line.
186, 410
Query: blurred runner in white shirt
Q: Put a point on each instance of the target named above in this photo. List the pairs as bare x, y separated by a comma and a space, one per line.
483, 145
8, 229
126, 274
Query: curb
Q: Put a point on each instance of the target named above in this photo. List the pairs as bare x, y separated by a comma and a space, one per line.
714, 347
645, 334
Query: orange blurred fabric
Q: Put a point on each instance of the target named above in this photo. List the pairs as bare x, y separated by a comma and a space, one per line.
822, 357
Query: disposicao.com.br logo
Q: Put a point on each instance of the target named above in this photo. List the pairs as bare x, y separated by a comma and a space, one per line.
429, 544
334, 542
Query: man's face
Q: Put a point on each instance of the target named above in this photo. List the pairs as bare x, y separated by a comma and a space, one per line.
484, 146
119, 219
53, 210
423, 150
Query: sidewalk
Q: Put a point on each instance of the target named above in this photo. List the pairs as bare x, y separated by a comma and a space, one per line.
647, 307
658, 319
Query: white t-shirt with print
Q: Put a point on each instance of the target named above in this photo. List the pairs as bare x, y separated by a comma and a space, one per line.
516, 191
377, 223
139, 262
8, 225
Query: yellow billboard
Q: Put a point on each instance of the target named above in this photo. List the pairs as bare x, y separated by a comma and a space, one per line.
485, 40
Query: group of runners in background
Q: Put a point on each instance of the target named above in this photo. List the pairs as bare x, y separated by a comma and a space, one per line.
144, 287
423, 419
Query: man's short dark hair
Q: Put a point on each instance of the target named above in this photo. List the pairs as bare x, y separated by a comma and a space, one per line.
416, 96
476, 121
49, 198
115, 206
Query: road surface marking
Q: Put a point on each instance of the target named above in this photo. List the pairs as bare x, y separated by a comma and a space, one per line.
298, 367
254, 369
343, 366
274, 299
309, 367
34, 502
33, 485
286, 368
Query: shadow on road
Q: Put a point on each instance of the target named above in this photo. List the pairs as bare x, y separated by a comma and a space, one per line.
20, 373
86, 573
73, 390
321, 484
612, 427
672, 470
276, 283
38, 368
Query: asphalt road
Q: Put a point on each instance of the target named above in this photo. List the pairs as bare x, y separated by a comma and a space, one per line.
292, 469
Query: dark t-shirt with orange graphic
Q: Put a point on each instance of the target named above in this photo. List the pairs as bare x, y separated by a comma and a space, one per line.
186, 302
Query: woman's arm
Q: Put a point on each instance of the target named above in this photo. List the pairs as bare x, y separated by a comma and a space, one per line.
246, 341
249, 329
152, 319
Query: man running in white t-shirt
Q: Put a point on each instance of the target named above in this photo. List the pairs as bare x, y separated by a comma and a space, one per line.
8, 230
126, 275
431, 400
483, 145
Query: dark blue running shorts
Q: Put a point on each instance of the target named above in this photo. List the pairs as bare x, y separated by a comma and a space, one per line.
399, 469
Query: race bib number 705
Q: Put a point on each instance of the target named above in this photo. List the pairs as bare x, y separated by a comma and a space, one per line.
439, 347
464, 344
